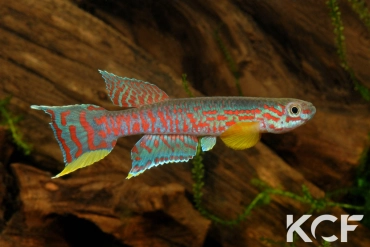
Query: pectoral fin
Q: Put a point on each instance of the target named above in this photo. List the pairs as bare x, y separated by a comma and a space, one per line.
207, 142
241, 135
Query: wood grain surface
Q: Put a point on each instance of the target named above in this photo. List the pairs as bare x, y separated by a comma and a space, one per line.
50, 53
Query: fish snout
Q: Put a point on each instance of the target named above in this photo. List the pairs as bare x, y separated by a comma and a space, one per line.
309, 111
313, 110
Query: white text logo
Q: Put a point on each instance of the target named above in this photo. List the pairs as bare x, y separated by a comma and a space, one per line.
344, 227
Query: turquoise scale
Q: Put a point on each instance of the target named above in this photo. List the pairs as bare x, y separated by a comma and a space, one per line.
154, 150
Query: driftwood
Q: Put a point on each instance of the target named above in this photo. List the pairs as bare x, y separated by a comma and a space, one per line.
50, 53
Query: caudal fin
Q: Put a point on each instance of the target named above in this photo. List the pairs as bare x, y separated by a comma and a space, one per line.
80, 138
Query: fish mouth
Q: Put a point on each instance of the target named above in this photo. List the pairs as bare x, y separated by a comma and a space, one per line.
308, 111
313, 111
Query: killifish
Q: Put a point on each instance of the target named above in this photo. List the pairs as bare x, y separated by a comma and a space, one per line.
171, 127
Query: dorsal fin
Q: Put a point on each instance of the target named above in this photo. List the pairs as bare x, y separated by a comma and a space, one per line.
128, 92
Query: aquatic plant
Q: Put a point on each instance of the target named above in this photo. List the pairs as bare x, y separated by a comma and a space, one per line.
229, 60
185, 84
263, 198
10, 121
360, 8
198, 175
359, 193
325, 244
271, 242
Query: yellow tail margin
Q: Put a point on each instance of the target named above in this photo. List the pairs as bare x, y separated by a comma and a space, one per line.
84, 160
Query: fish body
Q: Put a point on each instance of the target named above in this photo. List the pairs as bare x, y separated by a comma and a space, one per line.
171, 127
200, 116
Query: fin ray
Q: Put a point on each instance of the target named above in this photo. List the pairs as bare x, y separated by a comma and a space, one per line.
154, 150
84, 160
208, 142
242, 135
128, 92
77, 133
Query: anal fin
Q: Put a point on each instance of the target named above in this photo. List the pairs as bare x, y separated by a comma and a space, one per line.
154, 150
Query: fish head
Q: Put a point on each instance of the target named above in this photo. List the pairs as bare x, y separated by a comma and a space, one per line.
291, 113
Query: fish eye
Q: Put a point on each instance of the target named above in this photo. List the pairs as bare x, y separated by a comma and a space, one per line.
294, 110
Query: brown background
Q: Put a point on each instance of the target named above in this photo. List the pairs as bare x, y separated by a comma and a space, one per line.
50, 52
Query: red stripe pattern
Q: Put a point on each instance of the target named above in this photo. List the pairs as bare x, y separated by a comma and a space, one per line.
128, 92
171, 127
76, 130
154, 150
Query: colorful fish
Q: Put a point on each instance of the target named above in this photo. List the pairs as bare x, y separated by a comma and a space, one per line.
171, 127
